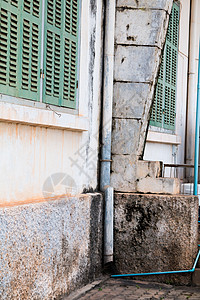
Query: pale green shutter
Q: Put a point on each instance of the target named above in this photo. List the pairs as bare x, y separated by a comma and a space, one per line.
61, 52
31, 44
164, 104
9, 47
157, 109
171, 57
20, 48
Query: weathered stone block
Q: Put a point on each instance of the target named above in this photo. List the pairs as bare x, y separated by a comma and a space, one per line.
146, 169
136, 64
158, 185
127, 171
152, 4
130, 99
140, 27
50, 248
125, 136
123, 172
155, 233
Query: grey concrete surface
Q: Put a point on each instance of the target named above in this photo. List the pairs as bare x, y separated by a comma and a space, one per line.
155, 233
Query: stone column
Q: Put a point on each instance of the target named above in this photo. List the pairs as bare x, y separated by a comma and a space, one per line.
139, 39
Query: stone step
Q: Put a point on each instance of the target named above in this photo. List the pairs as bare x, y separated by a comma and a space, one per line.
196, 277
147, 168
160, 185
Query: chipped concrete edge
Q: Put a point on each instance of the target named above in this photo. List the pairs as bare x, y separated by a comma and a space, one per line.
82, 291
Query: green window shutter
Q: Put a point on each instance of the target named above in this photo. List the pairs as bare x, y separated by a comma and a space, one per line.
9, 47
164, 103
157, 109
31, 44
20, 48
61, 52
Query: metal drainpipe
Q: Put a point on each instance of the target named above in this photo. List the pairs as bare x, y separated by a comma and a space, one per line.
191, 98
107, 128
196, 155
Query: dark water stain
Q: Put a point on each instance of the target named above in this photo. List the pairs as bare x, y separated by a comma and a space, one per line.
142, 215
96, 236
93, 10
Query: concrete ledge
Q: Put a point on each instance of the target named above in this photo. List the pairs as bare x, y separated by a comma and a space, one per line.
42, 117
155, 233
50, 249
163, 138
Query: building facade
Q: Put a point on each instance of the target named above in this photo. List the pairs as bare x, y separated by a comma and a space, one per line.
70, 69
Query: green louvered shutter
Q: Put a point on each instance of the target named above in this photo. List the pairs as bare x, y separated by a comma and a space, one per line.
31, 47
157, 109
9, 47
164, 105
20, 48
171, 57
61, 52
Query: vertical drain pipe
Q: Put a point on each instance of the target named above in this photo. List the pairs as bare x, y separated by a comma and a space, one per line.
191, 95
107, 128
196, 155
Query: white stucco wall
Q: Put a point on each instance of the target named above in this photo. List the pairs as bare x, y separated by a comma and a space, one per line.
31, 152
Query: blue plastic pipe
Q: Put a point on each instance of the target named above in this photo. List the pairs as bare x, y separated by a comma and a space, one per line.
196, 154
161, 273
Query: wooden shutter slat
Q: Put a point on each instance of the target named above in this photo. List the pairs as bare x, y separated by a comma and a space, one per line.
61, 42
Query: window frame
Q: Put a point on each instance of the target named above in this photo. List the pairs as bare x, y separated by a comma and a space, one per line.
40, 97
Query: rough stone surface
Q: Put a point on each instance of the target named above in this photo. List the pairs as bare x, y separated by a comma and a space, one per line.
146, 4
147, 169
136, 63
155, 233
50, 248
123, 172
158, 185
125, 136
129, 99
141, 27
127, 172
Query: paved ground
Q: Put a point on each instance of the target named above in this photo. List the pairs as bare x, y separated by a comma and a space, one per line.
120, 289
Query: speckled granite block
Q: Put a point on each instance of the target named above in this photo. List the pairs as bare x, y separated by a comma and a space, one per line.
49, 249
